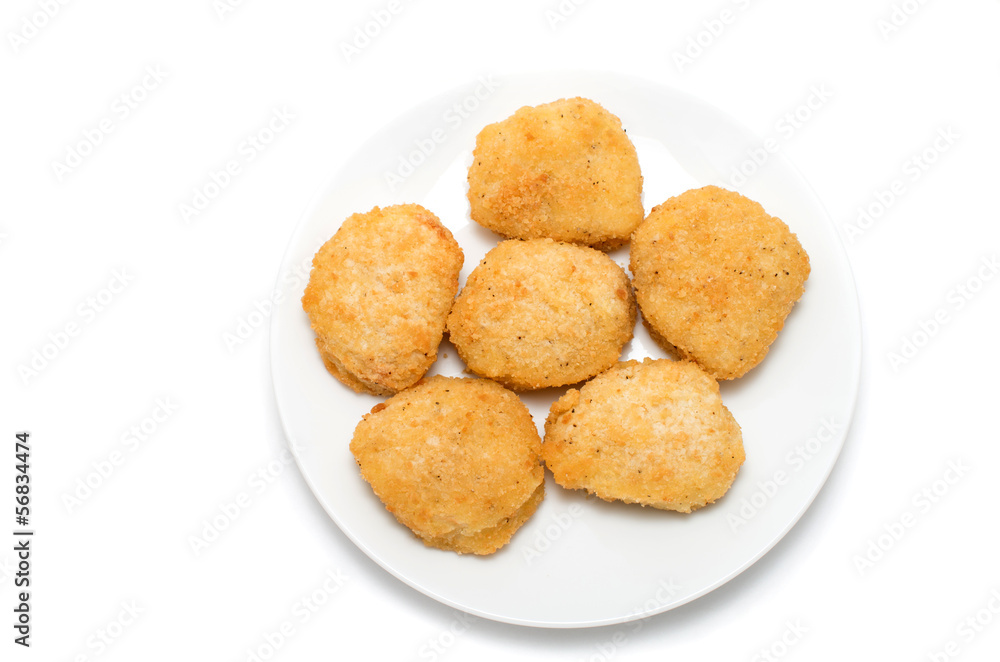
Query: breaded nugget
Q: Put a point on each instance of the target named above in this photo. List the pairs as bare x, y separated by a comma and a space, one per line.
654, 433
540, 313
715, 277
564, 170
379, 295
455, 460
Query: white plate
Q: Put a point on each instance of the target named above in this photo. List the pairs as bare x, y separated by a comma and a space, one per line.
581, 561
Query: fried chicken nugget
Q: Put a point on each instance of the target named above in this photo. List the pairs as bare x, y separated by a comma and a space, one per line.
454, 459
540, 313
715, 277
379, 294
564, 170
654, 433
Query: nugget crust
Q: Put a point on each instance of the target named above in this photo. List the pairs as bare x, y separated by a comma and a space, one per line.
455, 460
715, 278
540, 313
654, 433
564, 170
379, 294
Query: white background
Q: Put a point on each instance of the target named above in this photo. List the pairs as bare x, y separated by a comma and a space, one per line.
161, 338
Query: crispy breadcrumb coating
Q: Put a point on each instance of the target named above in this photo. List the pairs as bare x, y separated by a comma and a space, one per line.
564, 170
654, 433
379, 294
715, 278
455, 460
540, 313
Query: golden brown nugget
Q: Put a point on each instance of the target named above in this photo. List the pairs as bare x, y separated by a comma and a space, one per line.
455, 460
654, 433
379, 294
540, 313
715, 278
564, 170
